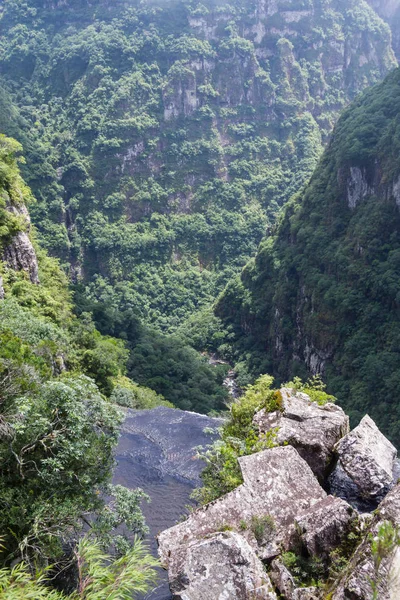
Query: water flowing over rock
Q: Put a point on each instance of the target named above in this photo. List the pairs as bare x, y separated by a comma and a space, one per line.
313, 430
157, 452
165, 439
366, 460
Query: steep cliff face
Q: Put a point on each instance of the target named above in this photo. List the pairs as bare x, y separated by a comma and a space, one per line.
165, 136
389, 10
322, 295
16, 249
19, 254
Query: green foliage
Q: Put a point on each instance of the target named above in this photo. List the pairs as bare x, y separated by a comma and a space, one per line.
158, 157
58, 432
314, 387
131, 395
125, 577
238, 438
57, 454
256, 397
13, 190
306, 571
178, 373
322, 293
100, 577
383, 547
263, 528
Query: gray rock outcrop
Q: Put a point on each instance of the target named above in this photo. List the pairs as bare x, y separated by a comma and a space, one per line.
281, 516
323, 528
312, 429
20, 254
278, 483
226, 566
366, 460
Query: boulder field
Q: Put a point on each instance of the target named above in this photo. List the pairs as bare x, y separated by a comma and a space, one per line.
315, 518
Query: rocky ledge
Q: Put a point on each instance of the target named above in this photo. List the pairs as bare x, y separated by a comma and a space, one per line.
300, 527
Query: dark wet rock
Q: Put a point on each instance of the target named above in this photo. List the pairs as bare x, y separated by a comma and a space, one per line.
277, 483
361, 571
324, 526
312, 429
365, 467
222, 566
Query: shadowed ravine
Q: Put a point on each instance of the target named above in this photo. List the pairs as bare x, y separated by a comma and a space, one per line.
156, 453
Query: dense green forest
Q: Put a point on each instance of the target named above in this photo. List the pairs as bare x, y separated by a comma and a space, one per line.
161, 140
322, 294
59, 424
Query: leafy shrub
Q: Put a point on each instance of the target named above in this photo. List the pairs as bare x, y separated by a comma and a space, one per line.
307, 571
100, 576
129, 394
263, 528
313, 387
238, 438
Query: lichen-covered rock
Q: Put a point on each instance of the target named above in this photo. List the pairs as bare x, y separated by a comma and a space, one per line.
312, 429
310, 593
323, 528
362, 570
20, 254
277, 483
286, 585
366, 460
222, 566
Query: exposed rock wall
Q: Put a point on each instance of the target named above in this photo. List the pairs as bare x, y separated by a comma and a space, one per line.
20, 254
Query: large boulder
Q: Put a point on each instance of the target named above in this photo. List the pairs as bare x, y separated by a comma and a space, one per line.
364, 470
363, 569
312, 429
324, 527
277, 485
222, 566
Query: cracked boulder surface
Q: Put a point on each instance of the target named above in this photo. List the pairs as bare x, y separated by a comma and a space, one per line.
365, 469
281, 492
312, 429
323, 528
288, 588
226, 566
278, 483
